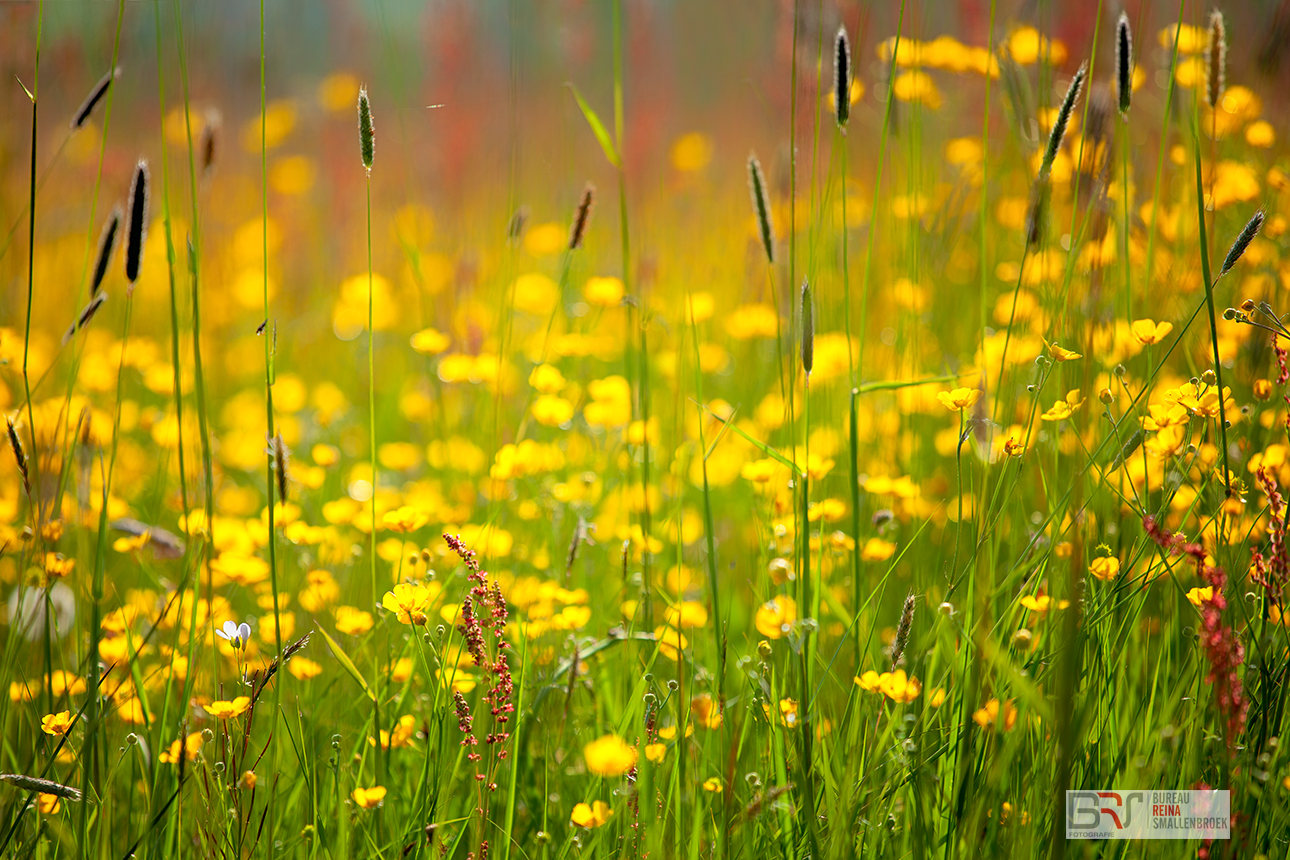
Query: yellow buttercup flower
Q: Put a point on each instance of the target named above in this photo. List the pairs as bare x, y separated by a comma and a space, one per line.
56, 724
591, 815
775, 617
609, 755
222, 710
369, 798
959, 399
1105, 569
1197, 596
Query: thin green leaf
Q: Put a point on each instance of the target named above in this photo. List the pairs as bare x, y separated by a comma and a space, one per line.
347, 664
597, 128
893, 384
761, 446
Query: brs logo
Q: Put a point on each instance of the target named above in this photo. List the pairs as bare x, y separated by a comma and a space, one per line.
1095, 810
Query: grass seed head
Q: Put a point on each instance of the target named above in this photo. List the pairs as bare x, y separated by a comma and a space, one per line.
1124, 63
902, 631
18, 454
1216, 61
210, 141
137, 230
86, 315
581, 217
92, 100
808, 329
1242, 242
366, 134
1063, 120
842, 78
757, 185
107, 243
1037, 211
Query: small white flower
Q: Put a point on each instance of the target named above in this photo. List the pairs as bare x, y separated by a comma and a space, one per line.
236, 634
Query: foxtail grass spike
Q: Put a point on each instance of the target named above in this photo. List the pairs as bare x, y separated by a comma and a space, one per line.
1124, 63
757, 185
582, 217
18, 454
902, 631
1242, 242
1037, 211
515, 227
107, 243
842, 78
92, 100
281, 460
86, 315
1063, 120
137, 227
366, 134
808, 329
1216, 61
210, 141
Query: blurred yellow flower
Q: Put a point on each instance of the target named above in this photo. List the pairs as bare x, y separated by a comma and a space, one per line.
775, 617
594, 815
368, 798
691, 152
222, 710
1197, 596
918, 87
609, 755
430, 341
605, 292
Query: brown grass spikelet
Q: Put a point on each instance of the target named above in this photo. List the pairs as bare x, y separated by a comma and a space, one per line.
107, 244
18, 454
582, 217
281, 462
1215, 59
86, 315
209, 145
92, 100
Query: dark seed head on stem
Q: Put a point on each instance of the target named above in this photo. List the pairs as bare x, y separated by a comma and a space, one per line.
107, 243
1124, 63
1063, 120
1242, 242
808, 329
137, 230
18, 454
1216, 59
366, 133
842, 78
581, 217
92, 100
757, 186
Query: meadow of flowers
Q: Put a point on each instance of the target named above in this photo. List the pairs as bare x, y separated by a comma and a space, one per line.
621, 429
